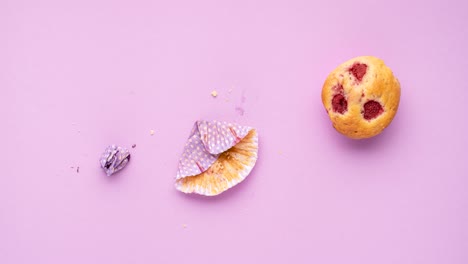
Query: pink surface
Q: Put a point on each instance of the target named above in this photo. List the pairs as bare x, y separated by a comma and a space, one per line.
76, 76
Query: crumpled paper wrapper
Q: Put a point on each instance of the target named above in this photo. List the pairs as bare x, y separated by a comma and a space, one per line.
217, 156
114, 159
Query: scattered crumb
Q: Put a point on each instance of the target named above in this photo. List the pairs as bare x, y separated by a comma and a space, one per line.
184, 226
280, 152
214, 93
151, 132
134, 146
240, 110
77, 169
243, 98
230, 91
72, 167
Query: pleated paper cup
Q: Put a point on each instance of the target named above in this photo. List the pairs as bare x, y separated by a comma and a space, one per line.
217, 156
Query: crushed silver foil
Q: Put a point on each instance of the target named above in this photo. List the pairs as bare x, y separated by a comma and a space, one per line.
114, 159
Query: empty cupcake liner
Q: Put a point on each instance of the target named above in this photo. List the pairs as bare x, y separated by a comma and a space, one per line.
217, 156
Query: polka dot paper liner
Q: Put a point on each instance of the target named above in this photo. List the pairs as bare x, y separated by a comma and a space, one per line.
217, 156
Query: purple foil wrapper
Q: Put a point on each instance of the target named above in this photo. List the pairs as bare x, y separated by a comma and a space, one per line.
114, 159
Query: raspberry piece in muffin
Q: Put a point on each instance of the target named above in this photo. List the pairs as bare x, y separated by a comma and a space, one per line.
372, 109
358, 70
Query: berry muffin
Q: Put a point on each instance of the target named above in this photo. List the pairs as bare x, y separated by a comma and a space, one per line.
361, 97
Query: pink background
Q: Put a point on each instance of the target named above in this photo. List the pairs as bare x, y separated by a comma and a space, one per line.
76, 76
